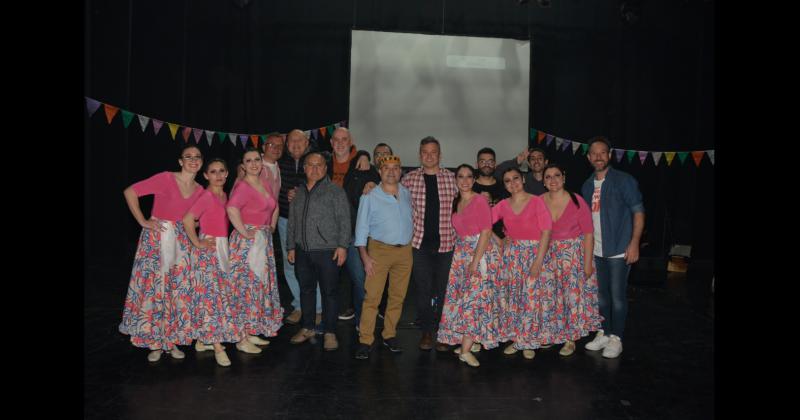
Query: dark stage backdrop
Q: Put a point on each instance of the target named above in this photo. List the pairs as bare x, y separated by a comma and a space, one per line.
645, 80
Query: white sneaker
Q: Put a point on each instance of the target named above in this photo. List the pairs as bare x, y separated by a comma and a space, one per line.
222, 358
600, 342
257, 340
154, 356
613, 348
176, 353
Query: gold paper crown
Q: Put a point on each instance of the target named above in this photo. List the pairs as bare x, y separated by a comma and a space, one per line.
388, 159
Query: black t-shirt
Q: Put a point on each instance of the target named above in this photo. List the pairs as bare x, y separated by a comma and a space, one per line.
498, 192
430, 236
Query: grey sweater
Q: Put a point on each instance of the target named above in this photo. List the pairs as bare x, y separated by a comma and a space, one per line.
319, 219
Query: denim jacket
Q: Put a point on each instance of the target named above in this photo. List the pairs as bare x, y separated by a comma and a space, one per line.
619, 200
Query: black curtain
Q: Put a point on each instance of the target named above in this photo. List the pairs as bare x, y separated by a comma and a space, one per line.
645, 80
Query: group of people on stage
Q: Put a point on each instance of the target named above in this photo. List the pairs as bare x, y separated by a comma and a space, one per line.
496, 255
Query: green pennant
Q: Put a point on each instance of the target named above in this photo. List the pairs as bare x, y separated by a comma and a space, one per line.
584, 148
629, 154
263, 139
222, 135
533, 134
330, 130
682, 156
127, 117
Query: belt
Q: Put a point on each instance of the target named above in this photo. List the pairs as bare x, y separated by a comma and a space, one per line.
384, 243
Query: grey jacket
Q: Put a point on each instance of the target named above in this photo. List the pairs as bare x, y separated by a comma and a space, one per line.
319, 219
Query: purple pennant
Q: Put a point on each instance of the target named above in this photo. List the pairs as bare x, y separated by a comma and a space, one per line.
619, 153
91, 105
642, 157
566, 144
344, 124
315, 134
157, 125
243, 139
197, 133
548, 139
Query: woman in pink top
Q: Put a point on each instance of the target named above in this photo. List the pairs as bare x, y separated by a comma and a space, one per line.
571, 257
156, 313
525, 284
254, 213
470, 313
212, 314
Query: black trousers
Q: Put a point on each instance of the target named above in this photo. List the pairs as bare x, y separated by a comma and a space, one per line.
431, 270
312, 267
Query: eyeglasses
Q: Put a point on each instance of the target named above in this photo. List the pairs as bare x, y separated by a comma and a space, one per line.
192, 158
485, 161
274, 145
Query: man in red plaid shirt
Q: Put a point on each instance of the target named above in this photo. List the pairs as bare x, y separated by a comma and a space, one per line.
432, 192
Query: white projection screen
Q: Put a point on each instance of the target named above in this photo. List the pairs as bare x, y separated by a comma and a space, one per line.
468, 92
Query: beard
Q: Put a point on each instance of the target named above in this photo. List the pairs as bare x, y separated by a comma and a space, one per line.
486, 171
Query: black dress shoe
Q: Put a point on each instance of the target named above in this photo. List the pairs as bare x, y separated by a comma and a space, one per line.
391, 343
362, 352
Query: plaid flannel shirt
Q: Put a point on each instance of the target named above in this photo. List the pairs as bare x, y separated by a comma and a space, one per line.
446, 184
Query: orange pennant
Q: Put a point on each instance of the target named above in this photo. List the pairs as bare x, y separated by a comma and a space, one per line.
323, 131
698, 156
111, 111
254, 140
539, 137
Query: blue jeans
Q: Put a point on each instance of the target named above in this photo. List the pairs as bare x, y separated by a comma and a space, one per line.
288, 269
612, 281
355, 270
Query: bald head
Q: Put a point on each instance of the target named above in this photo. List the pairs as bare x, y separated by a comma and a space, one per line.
296, 143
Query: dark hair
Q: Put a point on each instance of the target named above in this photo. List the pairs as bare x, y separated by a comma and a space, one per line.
214, 160
383, 145
599, 139
429, 140
537, 149
309, 154
189, 146
458, 193
563, 172
486, 150
250, 149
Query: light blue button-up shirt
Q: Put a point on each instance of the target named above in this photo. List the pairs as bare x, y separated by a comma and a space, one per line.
385, 218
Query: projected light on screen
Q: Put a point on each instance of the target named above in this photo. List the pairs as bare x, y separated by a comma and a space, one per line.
468, 92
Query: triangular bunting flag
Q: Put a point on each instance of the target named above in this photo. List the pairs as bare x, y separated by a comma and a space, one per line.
710, 154
629, 154
232, 138
337, 125
324, 132
254, 140
566, 144
222, 136
91, 105
642, 157
143, 121
540, 136
657, 157
263, 138
186, 132
243, 140
198, 132
157, 125
549, 139
533, 134
127, 117
559, 141
307, 133
209, 137
173, 129
111, 111
698, 156
584, 148
344, 124
670, 156
575, 147
682, 156
618, 153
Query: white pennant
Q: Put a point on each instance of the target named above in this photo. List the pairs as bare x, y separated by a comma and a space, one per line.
143, 121
210, 137
559, 142
575, 147
710, 154
656, 156
232, 138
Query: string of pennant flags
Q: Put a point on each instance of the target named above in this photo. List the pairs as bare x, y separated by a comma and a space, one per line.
111, 111
315, 134
562, 144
